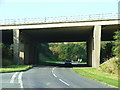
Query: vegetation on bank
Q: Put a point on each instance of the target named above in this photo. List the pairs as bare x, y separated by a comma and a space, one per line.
98, 75
107, 72
14, 68
110, 66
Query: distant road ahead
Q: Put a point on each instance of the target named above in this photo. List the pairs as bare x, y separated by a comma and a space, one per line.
48, 77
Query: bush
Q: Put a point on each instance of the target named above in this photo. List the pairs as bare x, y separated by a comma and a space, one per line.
106, 50
7, 54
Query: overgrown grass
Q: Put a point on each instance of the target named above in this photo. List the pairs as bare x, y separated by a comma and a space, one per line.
14, 68
110, 66
98, 75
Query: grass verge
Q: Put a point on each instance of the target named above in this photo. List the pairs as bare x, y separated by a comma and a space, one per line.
14, 68
98, 75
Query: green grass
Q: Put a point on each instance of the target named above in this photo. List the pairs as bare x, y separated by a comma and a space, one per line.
98, 75
82, 63
64, 62
54, 61
14, 68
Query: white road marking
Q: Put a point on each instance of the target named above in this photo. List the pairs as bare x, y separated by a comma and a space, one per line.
53, 72
59, 79
54, 75
13, 77
53, 68
20, 79
64, 82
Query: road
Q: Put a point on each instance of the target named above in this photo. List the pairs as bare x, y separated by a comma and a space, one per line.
48, 77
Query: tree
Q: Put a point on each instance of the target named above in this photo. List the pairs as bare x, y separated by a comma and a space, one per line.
70, 51
106, 50
116, 48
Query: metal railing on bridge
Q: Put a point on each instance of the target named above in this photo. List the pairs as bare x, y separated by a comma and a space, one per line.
60, 19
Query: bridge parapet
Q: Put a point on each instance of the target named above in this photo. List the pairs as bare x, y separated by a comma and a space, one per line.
60, 19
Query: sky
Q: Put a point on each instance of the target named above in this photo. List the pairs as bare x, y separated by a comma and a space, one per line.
13, 9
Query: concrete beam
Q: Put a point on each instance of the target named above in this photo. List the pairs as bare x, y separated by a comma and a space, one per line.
71, 24
93, 47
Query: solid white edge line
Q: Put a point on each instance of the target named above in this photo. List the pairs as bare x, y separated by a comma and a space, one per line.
13, 77
64, 82
20, 79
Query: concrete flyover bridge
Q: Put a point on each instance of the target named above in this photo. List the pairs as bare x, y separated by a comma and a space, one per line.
27, 34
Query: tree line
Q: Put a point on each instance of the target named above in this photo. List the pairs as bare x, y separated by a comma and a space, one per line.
69, 51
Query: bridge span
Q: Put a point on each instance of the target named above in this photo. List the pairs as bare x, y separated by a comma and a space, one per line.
27, 37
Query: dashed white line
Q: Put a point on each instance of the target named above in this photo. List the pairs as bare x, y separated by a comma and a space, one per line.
53, 72
13, 77
53, 68
54, 75
20, 79
59, 79
64, 82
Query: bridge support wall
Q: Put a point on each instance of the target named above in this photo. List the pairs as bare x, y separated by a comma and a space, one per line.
24, 51
93, 47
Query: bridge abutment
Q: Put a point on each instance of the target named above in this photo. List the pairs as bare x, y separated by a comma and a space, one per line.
93, 47
24, 51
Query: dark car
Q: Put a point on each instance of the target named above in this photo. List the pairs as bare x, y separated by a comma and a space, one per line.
68, 62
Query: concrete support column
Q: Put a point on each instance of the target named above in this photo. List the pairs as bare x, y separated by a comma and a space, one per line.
93, 47
27, 53
36, 55
89, 50
97, 45
31, 59
21, 53
16, 45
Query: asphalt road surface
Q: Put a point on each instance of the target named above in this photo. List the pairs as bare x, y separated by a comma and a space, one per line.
48, 77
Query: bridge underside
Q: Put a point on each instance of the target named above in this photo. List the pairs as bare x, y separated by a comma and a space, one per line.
68, 34
27, 41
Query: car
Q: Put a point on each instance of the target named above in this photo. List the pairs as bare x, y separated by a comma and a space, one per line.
68, 62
